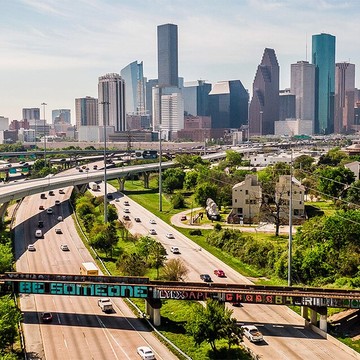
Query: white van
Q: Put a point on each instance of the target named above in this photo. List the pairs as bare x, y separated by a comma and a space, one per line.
38, 233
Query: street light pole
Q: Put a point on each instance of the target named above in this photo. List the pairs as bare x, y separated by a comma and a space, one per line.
44, 104
290, 222
105, 116
261, 122
160, 175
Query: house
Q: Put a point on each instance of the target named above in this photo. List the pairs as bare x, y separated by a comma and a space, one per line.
246, 200
355, 168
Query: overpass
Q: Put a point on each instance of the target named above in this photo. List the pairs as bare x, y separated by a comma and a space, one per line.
14, 191
153, 291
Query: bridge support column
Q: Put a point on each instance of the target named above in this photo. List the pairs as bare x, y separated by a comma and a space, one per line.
146, 180
80, 188
121, 182
305, 312
323, 322
152, 308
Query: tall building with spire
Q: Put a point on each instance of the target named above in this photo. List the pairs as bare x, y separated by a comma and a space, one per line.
323, 57
111, 95
264, 104
344, 97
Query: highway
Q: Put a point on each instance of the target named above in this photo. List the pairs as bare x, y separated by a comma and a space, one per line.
286, 337
79, 329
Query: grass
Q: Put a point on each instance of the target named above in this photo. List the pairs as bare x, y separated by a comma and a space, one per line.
319, 208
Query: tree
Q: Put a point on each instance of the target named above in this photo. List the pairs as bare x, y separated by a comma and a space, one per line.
333, 158
175, 270
6, 258
233, 158
210, 323
205, 191
112, 213
157, 256
131, 264
178, 201
188, 161
190, 180
353, 195
173, 179
332, 181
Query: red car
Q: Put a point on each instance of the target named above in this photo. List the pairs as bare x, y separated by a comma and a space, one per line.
219, 273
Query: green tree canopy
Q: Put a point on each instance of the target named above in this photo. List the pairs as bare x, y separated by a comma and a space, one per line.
205, 191
175, 270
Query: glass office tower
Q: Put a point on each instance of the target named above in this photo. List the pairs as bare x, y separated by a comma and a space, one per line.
323, 57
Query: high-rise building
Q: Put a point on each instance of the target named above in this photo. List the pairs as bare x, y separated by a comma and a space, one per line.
196, 98
61, 115
86, 111
111, 95
264, 105
148, 96
167, 43
344, 97
286, 105
228, 104
134, 88
303, 87
31, 114
172, 114
323, 57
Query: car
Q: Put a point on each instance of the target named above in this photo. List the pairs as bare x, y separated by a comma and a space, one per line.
42, 196
137, 219
152, 232
126, 217
57, 202
252, 333
31, 247
49, 210
170, 236
61, 191
175, 250
145, 353
21, 162
64, 247
83, 167
58, 231
95, 167
205, 277
109, 196
40, 224
81, 170
183, 218
126, 203
46, 317
51, 193
38, 233
152, 222
219, 273
117, 200
126, 211
60, 218
41, 207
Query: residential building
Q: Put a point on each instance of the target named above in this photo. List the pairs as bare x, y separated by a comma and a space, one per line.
228, 104
135, 100
196, 98
31, 114
344, 97
61, 115
323, 57
355, 168
86, 111
111, 95
264, 105
246, 201
303, 87
282, 197
167, 45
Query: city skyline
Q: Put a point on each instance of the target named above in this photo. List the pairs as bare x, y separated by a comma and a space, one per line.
54, 51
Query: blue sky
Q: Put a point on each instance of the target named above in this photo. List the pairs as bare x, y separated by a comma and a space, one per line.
53, 51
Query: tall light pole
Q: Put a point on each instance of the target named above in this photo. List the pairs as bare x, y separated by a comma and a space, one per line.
290, 222
261, 122
105, 117
160, 176
43, 105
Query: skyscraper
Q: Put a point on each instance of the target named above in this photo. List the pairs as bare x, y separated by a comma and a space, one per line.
63, 115
264, 105
111, 94
196, 98
31, 113
167, 42
134, 88
323, 57
303, 87
86, 111
228, 104
344, 97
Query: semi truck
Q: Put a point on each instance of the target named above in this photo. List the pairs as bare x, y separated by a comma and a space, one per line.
89, 268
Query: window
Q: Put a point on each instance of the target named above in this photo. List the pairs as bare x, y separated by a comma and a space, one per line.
236, 200
246, 192
247, 201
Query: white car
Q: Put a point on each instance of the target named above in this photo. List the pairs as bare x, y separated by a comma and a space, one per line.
60, 218
152, 222
126, 211
145, 353
58, 231
64, 247
31, 247
152, 232
49, 211
170, 236
38, 233
252, 333
175, 250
